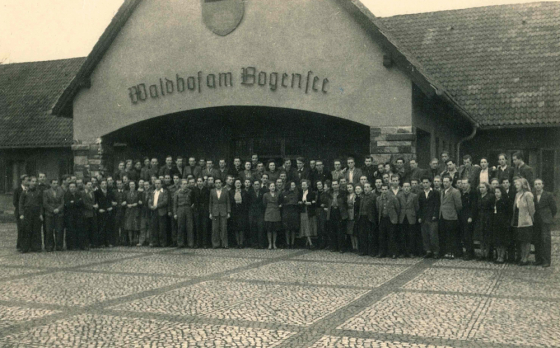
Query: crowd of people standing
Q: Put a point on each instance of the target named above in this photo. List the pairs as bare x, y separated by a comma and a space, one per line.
380, 210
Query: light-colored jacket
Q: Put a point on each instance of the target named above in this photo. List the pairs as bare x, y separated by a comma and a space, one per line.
526, 204
450, 204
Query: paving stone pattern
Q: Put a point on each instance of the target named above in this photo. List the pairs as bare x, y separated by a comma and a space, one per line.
167, 297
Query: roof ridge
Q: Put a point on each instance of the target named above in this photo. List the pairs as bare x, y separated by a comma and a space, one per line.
41, 61
523, 4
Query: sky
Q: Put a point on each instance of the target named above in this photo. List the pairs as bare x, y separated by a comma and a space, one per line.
35, 30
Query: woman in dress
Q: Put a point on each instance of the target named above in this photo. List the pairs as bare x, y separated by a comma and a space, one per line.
307, 201
500, 223
483, 219
523, 215
350, 206
132, 214
239, 212
272, 217
290, 214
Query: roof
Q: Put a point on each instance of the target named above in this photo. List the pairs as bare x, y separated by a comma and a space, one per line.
411, 67
500, 63
27, 92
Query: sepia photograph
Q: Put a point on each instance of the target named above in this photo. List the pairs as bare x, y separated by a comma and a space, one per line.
279, 173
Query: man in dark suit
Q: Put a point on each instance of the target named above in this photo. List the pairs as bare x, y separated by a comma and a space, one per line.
545, 209
210, 171
53, 204
469, 170
24, 183
257, 237
442, 166
31, 215
302, 173
483, 173
237, 168
119, 235
104, 198
168, 168
388, 217
321, 174
503, 171
220, 210
466, 223
338, 214
222, 170
201, 213
428, 214
90, 206
522, 170
192, 169
367, 222
73, 204
291, 174
449, 210
159, 204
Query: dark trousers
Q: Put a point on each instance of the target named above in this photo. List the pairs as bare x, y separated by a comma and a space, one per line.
31, 233
171, 231
184, 227
90, 226
338, 231
119, 234
543, 243
74, 231
449, 230
364, 233
430, 236
322, 230
54, 232
102, 238
19, 224
201, 227
467, 231
257, 236
159, 229
387, 238
408, 238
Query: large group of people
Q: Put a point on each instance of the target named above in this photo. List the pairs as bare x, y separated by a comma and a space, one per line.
380, 210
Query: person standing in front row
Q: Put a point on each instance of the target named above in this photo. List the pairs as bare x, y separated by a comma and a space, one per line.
24, 183
407, 220
104, 198
449, 215
523, 217
90, 223
428, 203
159, 204
183, 203
31, 214
201, 214
132, 214
272, 217
336, 203
366, 222
388, 217
73, 204
545, 209
220, 210
53, 204
307, 209
239, 212
483, 219
500, 223
256, 215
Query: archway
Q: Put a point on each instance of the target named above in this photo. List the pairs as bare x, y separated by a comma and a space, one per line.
227, 132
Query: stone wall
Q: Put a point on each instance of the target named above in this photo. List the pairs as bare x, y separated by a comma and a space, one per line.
389, 143
92, 158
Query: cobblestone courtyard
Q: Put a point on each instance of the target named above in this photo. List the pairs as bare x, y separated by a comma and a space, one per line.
141, 297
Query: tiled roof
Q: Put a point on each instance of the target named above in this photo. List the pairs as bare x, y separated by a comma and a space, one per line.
27, 93
500, 63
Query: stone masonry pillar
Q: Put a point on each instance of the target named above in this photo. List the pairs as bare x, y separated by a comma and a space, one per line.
389, 143
92, 158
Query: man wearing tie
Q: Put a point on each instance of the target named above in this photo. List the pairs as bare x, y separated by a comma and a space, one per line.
256, 215
159, 204
210, 171
192, 169
220, 209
